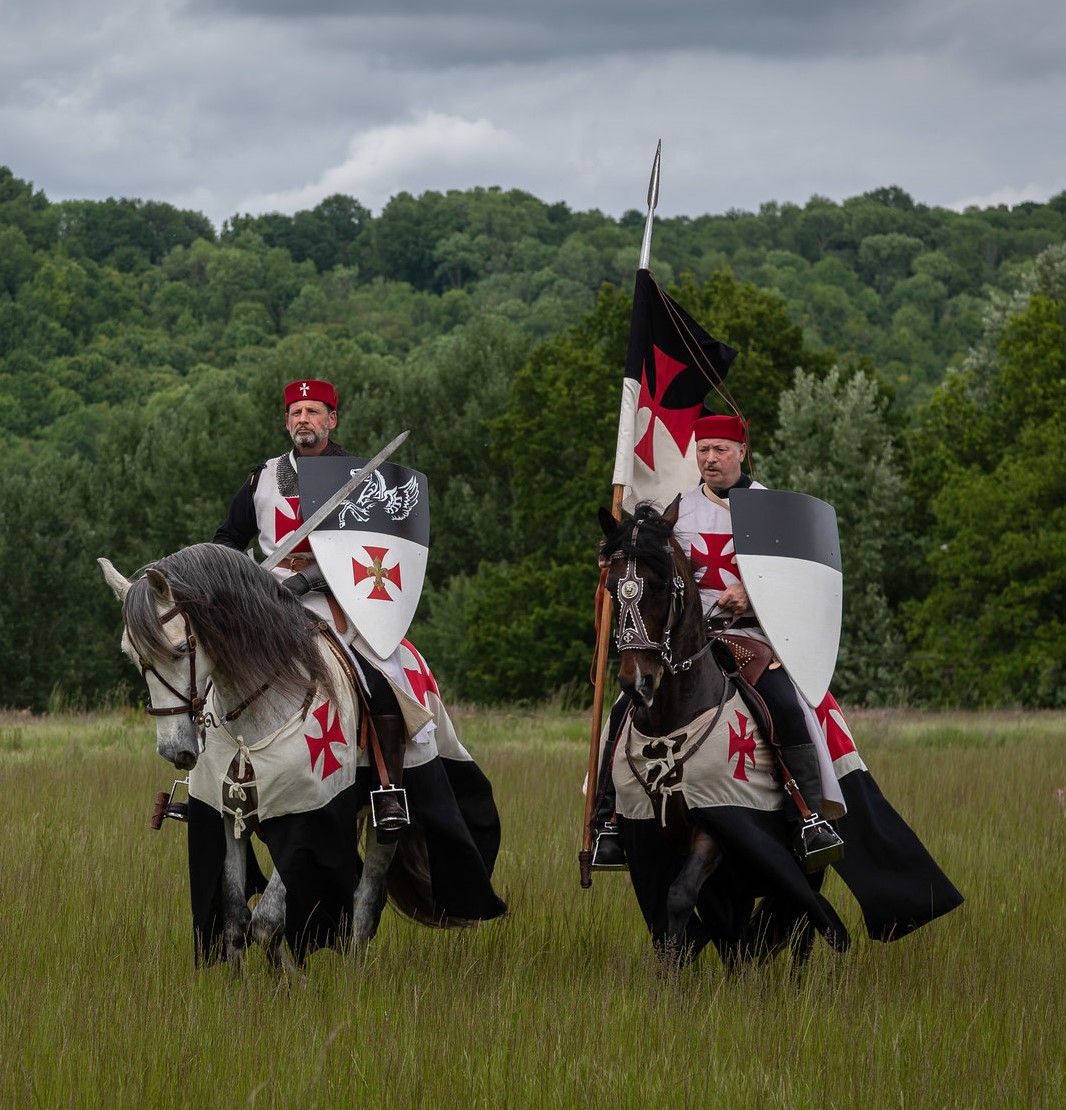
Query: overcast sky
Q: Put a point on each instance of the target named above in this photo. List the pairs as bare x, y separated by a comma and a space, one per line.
229, 106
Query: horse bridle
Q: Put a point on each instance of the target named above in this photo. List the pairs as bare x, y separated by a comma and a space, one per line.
632, 633
194, 703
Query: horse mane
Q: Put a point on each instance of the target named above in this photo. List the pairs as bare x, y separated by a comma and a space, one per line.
254, 629
653, 542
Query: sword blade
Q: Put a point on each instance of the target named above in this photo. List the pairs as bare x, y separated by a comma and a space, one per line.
293, 539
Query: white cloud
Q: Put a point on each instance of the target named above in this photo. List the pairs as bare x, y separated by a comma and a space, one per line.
433, 151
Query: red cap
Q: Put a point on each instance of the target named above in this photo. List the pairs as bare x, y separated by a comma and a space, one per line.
720, 427
311, 390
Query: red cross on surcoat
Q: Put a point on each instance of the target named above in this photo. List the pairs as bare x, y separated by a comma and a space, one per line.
422, 680
717, 557
837, 736
322, 745
283, 524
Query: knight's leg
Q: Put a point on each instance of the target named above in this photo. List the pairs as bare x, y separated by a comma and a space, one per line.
817, 842
608, 853
388, 803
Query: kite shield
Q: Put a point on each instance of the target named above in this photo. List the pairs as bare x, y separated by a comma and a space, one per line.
372, 550
788, 555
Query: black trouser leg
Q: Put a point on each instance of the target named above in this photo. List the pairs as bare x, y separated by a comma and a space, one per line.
816, 844
608, 854
790, 723
388, 806
605, 800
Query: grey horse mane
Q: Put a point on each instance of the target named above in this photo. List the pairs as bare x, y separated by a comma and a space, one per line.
256, 631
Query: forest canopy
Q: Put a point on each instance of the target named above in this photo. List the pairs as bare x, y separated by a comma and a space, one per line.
904, 362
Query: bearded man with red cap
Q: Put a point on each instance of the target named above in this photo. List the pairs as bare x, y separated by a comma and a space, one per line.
266, 508
705, 532
451, 799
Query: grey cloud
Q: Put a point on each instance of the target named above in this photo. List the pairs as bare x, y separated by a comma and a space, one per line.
215, 102
462, 32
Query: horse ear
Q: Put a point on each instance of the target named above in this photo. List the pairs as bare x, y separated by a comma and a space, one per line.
118, 584
607, 522
160, 586
672, 511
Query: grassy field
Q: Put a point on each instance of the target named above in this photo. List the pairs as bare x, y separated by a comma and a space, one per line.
558, 1004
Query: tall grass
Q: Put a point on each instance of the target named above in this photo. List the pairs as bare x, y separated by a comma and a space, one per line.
558, 1004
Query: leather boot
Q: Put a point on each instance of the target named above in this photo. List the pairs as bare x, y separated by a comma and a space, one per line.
816, 843
608, 854
388, 805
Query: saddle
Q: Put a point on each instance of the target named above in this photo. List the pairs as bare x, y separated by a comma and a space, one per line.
748, 657
743, 660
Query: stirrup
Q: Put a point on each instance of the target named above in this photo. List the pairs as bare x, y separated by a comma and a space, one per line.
818, 844
608, 853
388, 808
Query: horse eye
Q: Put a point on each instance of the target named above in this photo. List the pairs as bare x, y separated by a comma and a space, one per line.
181, 649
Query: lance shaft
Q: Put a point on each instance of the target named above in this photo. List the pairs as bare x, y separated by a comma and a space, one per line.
603, 601
599, 681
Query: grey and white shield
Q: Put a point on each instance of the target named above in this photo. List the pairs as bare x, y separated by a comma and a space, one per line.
372, 550
788, 553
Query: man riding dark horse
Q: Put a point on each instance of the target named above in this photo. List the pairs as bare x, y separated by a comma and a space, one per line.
704, 530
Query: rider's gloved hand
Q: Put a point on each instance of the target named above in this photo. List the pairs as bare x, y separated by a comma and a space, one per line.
304, 581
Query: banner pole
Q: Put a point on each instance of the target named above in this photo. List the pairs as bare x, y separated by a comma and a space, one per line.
603, 600
603, 636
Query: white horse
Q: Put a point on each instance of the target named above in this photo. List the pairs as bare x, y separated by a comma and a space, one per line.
218, 641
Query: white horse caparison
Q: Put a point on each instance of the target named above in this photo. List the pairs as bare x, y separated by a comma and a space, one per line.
208, 615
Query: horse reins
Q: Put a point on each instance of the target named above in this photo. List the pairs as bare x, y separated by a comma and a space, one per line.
195, 704
669, 782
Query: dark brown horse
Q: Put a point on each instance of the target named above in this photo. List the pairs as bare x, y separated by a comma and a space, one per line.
699, 798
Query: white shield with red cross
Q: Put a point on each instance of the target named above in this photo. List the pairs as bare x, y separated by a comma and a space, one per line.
372, 550
788, 554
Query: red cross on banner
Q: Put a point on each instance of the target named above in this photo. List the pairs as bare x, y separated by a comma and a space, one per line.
677, 421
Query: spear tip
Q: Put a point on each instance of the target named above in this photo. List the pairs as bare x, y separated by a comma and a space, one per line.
653, 183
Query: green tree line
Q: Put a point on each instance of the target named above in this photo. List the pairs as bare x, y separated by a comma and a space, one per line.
901, 361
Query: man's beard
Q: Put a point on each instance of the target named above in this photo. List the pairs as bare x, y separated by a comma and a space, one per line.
308, 437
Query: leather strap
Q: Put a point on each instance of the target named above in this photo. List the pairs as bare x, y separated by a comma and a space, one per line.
765, 722
367, 731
